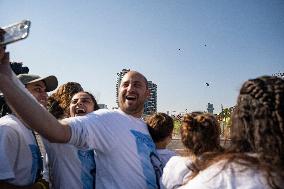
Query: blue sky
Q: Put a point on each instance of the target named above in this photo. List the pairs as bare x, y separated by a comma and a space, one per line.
221, 42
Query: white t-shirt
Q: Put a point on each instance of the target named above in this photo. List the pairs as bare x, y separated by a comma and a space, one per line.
234, 176
70, 167
176, 172
20, 158
126, 155
165, 155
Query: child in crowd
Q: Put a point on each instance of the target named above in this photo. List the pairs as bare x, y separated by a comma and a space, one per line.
200, 133
161, 127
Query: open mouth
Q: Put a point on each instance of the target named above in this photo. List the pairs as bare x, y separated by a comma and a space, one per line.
80, 111
130, 97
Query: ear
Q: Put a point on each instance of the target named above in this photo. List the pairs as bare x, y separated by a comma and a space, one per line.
169, 139
147, 93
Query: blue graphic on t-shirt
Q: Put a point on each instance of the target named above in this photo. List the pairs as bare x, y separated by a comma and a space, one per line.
88, 173
36, 162
151, 164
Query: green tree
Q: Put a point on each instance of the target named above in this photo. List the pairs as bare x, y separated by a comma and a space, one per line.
225, 121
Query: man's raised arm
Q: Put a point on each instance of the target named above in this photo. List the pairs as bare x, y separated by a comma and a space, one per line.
26, 107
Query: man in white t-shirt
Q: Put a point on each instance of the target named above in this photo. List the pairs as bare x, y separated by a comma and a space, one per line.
126, 155
20, 156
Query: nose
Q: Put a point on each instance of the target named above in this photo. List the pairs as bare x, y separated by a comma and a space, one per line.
44, 94
79, 102
130, 87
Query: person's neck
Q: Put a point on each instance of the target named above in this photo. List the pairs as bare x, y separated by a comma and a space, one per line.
191, 155
136, 115
162, 144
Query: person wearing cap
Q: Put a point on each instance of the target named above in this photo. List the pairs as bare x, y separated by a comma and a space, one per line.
38, 86
126, 154
20, 156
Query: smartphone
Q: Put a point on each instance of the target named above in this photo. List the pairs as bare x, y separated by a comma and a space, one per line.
15, 32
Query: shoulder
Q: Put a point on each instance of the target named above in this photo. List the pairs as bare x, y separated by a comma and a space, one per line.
228, 175
7, 131
98, 114
9, 137
8, 124
12, 125
177, 161
178, 165
108, 116
175, 172
106, 112
8, 120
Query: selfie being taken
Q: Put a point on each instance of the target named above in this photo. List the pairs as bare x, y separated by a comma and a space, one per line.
142, 94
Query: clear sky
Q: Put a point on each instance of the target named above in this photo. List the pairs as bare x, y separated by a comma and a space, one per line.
178, 44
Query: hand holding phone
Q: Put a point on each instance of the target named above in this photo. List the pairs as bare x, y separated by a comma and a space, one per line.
14, 32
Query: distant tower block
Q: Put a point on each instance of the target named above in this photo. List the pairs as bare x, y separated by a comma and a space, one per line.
150, 106
210, 108
118, 80
279, 74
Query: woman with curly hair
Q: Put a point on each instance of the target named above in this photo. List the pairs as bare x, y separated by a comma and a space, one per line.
58, 102
255, 158
200, 133
68, 165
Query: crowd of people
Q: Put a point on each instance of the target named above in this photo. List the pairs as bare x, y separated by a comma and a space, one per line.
88, 147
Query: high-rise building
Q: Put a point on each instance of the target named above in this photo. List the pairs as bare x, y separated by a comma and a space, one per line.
279, 74
150, 106
118, 81
210, 108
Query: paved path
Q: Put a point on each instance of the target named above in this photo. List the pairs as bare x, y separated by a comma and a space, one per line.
177, 145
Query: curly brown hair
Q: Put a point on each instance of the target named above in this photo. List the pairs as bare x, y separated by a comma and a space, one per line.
257, 127
160, 126
257, 122
200, 132
58, 102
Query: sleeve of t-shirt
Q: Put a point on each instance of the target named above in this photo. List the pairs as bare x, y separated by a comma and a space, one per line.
91, 132
175, 172
9, 144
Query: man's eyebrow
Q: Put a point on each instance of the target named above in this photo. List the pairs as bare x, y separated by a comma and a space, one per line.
39, 85
138, 81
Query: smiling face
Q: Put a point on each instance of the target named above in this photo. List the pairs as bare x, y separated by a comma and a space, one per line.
81, 104
133, 92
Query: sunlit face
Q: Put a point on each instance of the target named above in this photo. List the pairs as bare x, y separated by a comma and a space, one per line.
38, 90
81, 104
133, 92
